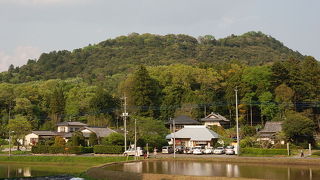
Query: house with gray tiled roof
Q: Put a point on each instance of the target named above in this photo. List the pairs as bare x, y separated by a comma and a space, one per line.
215, 119
180, 122
269, 132
190, 136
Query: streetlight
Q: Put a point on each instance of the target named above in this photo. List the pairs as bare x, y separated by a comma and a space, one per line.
10, 142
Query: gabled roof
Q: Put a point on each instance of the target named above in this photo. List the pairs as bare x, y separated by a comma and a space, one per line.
100, 131
45, 133
194, 133
71, 124
183, 120
272, 127
214, 117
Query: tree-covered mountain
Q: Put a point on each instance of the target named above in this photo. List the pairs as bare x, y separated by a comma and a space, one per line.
122, 55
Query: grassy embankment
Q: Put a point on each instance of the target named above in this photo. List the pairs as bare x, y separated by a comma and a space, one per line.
67, 160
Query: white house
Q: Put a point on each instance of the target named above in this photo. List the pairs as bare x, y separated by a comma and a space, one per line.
65, 127
191, 136
34, 137
214, 119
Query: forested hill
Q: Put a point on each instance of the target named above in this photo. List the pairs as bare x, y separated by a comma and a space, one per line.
124, 53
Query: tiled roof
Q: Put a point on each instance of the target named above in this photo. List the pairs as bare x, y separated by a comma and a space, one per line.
71, 124
183, 120
194, 133
272, 127
45, 133
214, 117
100, 131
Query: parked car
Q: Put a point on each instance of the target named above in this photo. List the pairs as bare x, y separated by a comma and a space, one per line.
167, 149
229, 150
133, 152
218, 150
197, 150
188, 150
180, 149
208, 150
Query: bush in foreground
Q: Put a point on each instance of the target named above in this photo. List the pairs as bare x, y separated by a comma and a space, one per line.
101, 149
258, 151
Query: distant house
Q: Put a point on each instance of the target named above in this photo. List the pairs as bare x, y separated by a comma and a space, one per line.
65, 127
269, 132
214, 119
34, 137
180, 122
191, 136
65, 130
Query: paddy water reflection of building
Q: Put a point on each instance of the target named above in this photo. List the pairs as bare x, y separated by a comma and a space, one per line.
200, 168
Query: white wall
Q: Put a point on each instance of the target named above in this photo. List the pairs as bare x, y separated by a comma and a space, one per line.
28, 138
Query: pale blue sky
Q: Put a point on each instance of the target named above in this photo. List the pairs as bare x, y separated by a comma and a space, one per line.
30, 27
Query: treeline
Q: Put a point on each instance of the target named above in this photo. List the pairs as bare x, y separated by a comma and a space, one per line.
161, 92
123, 54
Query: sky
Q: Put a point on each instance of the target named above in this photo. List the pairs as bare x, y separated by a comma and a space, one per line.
31, 27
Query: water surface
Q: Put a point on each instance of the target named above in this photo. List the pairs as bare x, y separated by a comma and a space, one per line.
27, 170
200, 168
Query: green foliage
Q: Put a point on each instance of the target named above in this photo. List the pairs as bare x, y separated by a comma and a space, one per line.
43, 149
93, 139
19, 126
115, 139
101, 149
59, 141
40, 149
247, 130
317, 153
77, 139
248, 142
299, 129
149, 131
143, 93
258, 151
56, 149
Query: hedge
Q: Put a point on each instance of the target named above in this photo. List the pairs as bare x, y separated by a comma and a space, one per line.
101, 149
316, 153
42, 149
259, 151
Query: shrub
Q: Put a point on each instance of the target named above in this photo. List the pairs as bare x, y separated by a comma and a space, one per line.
93, 139
248, 142
3, 142
87, 149
40, 149
113, 139
101, 149
316, 153
56, 149
74, 150
259, 151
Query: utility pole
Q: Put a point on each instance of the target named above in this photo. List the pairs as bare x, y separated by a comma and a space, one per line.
237, 122
174, 139
251, 110
125, 114
9, 143
135, 134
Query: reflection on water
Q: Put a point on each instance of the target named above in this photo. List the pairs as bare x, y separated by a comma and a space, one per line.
194, 168
15, 170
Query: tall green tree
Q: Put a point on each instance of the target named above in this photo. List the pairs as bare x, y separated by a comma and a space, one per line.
144, 93
299, 129
19, 128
